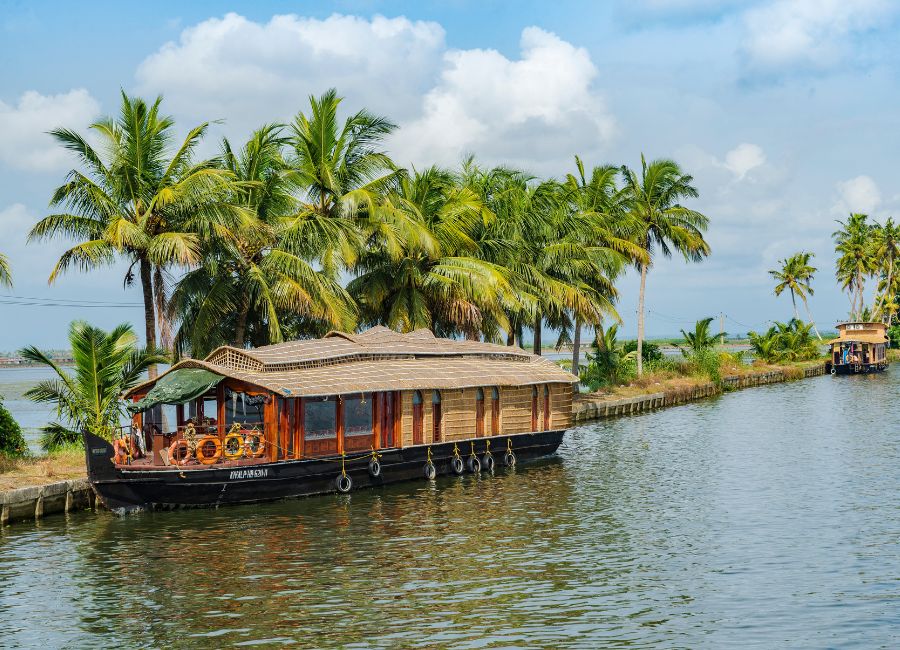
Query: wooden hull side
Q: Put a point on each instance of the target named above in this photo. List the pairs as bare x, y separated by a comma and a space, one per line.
123, 490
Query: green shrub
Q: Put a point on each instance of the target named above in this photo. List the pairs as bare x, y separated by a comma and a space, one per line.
12, 442
650, 352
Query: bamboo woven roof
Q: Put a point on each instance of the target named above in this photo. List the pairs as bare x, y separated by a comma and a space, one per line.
376, 360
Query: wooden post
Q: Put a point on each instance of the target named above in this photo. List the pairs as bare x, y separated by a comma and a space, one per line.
376, 419
271, 427
301, 414
339, 406
298, 428
283, 427
220, 409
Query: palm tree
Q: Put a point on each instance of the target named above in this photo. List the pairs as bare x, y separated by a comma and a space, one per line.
661, 222
701, 339
795, 275
252, 281
436, 281
106, 365
886, 249
342, 174
855, 261
5, 272
139, 198
600, 203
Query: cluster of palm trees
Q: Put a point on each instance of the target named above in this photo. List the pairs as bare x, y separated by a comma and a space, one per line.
867, 251
311, 226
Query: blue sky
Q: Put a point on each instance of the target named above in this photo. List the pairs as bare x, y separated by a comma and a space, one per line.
783, 110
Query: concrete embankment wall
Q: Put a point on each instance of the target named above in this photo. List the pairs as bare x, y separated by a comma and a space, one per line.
36, 502
587, 408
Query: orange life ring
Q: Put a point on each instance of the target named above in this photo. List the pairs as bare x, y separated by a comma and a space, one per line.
233, 451
173, 449
203, 446
260, 448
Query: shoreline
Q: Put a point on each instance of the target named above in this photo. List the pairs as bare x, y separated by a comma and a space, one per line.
593, 406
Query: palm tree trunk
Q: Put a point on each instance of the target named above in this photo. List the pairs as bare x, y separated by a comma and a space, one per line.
794, 302
809, 314
511, 336
640, 332
887, 288
538, 320
576, 346
149, 312
240, 329
163, 325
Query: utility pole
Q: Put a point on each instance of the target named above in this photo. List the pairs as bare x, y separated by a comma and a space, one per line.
721, 328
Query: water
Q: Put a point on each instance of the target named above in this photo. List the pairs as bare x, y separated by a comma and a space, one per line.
765, 518
30, 416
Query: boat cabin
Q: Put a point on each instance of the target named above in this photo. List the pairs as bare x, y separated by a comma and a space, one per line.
343, 394
860, 347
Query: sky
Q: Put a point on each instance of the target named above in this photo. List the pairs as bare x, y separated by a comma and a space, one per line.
783, 111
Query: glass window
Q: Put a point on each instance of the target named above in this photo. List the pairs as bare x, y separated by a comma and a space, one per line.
243, 408
417, 398
435, 397
495, 394
357, 415
479, 395
320, 418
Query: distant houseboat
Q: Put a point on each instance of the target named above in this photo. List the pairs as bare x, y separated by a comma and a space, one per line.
332, 414
859, 348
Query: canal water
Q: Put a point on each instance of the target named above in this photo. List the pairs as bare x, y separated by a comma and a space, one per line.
765, 518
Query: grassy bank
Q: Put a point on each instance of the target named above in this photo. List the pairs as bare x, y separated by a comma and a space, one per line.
41, 470
685, 378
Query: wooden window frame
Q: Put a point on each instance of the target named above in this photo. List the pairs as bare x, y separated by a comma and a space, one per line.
437, 416
479, 413
418, 418
546, 407
495, 411
534, 408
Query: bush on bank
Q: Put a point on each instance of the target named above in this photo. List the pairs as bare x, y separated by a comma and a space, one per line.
12, 442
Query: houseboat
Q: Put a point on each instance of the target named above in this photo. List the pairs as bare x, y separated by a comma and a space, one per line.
860, 347
333, 414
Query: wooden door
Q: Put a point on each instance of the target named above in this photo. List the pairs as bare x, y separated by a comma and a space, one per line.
534, 408
387, 420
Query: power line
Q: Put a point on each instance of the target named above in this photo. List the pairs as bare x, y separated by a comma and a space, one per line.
39, 302
112, 303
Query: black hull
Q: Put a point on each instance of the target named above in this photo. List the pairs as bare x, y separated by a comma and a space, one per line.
856, 369
122, 490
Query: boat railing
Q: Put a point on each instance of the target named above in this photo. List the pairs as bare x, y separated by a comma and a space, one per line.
190, 444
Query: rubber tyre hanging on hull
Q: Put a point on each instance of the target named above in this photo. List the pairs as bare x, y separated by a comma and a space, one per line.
456, 464
343, 483
430, 471
509, 459
487, 463
374, 468
474, 464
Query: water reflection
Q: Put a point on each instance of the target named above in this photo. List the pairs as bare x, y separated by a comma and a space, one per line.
764, 517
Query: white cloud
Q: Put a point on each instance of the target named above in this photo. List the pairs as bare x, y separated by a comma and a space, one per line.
248, 73
529, 110
807, 34
858, 194
744, 158
24, 142
540, 107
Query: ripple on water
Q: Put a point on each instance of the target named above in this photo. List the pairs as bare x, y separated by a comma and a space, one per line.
763, 518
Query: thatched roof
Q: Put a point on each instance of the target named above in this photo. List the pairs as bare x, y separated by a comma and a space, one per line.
378, 359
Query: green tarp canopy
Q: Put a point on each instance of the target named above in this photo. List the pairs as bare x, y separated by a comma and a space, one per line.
178, 387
